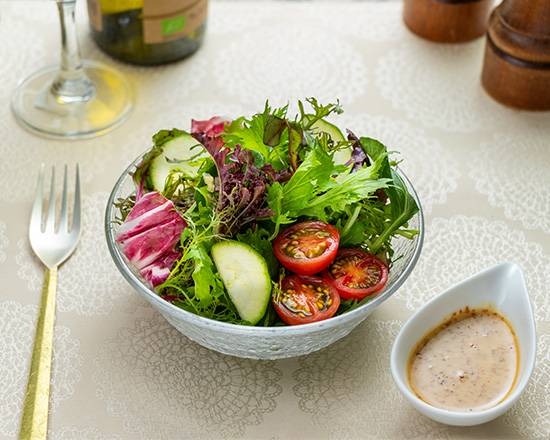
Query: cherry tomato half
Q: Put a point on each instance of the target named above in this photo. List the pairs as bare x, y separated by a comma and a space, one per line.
356, 274
305, 299
308, 247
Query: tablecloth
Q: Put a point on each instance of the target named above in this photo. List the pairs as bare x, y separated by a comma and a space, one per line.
122, 372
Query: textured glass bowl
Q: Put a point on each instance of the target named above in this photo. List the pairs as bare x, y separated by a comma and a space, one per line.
262, 342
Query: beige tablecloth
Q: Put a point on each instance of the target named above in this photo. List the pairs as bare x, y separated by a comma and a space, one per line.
122, 372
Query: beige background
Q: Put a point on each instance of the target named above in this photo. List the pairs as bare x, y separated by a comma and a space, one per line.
121, 372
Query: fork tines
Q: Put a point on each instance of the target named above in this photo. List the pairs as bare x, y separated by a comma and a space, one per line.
48, 224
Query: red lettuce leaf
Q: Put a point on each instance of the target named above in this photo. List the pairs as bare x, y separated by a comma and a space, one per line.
149, 236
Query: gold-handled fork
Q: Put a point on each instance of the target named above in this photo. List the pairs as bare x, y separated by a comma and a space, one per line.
53, 244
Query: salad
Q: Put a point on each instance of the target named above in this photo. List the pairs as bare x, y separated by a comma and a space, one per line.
265, 220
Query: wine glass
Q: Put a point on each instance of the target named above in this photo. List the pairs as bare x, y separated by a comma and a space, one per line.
78, 99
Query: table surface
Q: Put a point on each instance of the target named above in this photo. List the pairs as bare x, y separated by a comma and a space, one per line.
122, 372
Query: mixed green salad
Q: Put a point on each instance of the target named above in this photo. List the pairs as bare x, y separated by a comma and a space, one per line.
265, 220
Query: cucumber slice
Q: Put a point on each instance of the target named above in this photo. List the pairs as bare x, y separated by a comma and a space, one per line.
332, 130
176, 156
340, 156
245, 276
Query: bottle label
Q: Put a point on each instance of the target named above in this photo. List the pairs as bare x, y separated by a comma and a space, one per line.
167, 20
116, 6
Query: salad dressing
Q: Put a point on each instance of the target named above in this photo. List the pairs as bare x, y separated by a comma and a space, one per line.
468, 363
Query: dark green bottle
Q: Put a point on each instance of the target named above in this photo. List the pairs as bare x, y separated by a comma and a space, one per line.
148, 31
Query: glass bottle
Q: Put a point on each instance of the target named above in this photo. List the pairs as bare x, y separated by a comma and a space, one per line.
148, 32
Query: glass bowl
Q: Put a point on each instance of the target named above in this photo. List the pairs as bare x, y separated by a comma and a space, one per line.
262, 342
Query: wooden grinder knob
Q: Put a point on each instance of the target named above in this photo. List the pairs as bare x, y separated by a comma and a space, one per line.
447, 21
516, 68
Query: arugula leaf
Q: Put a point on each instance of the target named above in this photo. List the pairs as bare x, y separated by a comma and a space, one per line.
375, 149
402, 205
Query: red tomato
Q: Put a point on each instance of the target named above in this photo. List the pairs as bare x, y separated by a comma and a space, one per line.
357, 274
305, 299
308, 247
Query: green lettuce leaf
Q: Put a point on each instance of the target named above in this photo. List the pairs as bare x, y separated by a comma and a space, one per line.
402, 206
312, 174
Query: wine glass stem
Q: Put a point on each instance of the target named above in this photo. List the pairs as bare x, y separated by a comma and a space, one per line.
72, 84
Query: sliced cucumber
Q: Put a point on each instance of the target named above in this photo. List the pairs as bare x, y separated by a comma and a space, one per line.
245, 276
342, 156
332, 130
177, 157
321, 125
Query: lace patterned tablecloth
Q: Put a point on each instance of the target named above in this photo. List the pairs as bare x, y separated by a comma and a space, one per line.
122, 372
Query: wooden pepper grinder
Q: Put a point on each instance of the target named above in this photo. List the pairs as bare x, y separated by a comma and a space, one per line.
447, 21
516, 69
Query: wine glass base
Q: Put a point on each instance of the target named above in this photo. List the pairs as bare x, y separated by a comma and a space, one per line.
37, 109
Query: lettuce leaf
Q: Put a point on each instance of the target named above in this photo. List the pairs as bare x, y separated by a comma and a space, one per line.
320, 189
402, 205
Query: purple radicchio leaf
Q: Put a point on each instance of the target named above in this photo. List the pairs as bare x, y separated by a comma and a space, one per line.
158, 271
149, 235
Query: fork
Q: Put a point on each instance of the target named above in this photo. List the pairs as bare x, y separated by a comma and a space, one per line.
52, 244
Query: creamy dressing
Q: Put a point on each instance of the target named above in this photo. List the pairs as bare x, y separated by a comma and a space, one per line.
468, 363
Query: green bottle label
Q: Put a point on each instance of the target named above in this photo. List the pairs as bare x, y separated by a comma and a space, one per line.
172, 25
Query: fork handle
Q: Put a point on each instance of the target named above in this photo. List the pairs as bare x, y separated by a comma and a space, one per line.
34, 421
